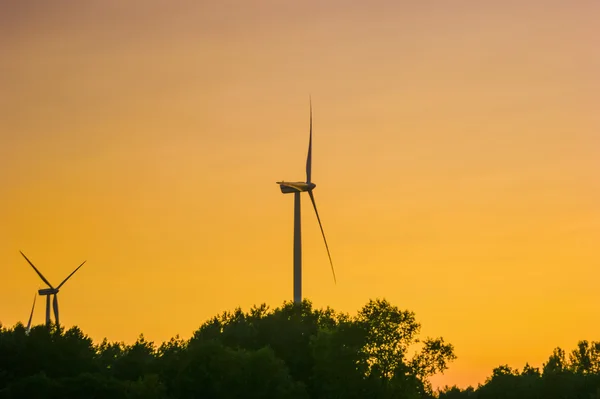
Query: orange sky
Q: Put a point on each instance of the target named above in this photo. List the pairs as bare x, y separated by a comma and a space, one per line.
456, 154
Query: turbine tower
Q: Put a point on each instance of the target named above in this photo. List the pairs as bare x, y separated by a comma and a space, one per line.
50, 291
297, 188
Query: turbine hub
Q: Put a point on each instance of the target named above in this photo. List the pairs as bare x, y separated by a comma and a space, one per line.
311, 186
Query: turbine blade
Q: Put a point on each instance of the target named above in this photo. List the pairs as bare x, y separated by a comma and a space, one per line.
55, 306
309, 156
69, 276
312, 198
37, 271
31, 314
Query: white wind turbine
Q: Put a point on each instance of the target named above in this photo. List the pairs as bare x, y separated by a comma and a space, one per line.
50, 291
297, 188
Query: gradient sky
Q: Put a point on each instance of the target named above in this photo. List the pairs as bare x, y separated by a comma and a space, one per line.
456, 157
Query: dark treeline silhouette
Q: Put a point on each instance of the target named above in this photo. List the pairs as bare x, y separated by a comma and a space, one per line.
576, 376
294, 351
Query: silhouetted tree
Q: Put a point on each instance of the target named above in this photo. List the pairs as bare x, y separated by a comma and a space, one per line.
211, 370
585, 359
576, 378
455, 392
135, 361
293, 351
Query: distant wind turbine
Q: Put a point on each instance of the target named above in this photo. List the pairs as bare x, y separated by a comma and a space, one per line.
297, 188
50, 291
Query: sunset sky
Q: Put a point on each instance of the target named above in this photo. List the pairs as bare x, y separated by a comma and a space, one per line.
456, 153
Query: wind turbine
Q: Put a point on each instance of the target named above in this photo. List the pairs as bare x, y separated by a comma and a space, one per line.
297, 188
30, 316
50, 291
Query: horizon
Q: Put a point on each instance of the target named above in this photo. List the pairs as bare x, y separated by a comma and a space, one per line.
438, 380
455, 151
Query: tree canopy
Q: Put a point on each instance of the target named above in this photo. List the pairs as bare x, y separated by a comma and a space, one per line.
293, 351
576, 376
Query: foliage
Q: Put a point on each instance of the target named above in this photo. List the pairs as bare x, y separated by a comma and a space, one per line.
294, 351
575, 378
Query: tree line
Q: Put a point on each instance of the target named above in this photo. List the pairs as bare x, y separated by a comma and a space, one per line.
293, 351
575, 375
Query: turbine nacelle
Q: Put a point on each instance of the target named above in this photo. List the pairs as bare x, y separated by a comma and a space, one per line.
48, 291
295, 187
